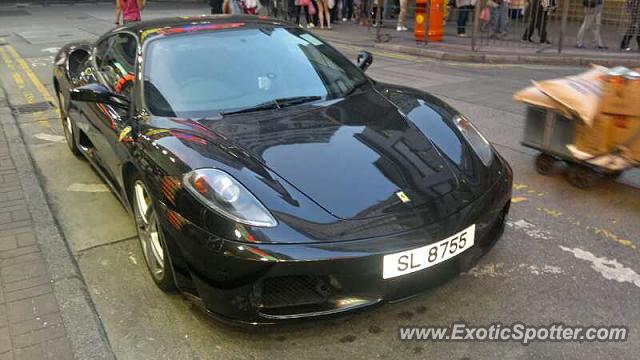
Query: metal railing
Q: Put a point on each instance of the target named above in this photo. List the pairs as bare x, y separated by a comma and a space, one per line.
535, 26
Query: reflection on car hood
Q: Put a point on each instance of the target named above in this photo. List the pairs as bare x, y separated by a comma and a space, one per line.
358, 157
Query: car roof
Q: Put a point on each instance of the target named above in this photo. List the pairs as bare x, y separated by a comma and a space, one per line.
166, 24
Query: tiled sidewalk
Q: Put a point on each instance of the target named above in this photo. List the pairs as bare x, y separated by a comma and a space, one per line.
31, 325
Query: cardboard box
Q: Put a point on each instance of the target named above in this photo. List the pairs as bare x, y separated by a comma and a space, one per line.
608, 133
620, 96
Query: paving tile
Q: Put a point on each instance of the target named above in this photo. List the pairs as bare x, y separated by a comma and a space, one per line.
28, 293
5, 340
32, 257
22, 271
29, 353
26, 239
8, 242
38, 336
32, 308
58, 349
17, 252
7, 356
25, 284
3, 316
42, 322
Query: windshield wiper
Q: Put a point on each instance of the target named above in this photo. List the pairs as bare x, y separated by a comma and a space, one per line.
274, 104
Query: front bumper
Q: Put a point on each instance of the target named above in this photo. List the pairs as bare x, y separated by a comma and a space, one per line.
267, 283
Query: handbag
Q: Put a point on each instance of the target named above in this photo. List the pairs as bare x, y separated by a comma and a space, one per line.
331, 4
304, 2
311, 9
485, 14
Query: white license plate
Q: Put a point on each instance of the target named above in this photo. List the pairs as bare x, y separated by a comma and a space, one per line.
409, 261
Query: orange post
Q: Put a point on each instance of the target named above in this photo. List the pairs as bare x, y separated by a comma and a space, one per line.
436, 20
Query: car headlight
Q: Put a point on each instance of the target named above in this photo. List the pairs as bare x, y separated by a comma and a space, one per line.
478, 143
225, 195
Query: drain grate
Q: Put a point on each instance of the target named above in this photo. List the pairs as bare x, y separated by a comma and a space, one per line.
14, 13
32, 108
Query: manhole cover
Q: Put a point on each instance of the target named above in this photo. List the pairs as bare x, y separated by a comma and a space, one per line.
32, 108
14, 13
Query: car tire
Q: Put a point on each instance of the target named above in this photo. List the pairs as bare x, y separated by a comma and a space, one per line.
150, 236
68, 127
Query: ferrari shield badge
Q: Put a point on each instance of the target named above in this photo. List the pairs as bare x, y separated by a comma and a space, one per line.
124, 133
403, 197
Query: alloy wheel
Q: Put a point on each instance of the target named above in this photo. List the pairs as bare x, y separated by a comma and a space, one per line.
148, 231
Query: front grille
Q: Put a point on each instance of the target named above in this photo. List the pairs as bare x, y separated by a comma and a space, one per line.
288, 291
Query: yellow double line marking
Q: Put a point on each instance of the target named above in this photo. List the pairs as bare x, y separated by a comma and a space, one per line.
29, 96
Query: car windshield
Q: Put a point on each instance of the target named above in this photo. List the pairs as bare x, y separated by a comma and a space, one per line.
208, 73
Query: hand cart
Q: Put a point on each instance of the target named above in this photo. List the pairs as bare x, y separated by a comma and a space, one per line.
550, 132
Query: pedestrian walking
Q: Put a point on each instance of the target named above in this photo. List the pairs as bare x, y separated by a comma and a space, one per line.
129, 10
347, 10
592, 21
633, 9
501, 18
402, 16
464, 10
324, 12
304, 5
216, 6
233, 7
538, 18
365, 12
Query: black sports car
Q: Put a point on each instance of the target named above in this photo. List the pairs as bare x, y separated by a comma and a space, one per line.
268, 176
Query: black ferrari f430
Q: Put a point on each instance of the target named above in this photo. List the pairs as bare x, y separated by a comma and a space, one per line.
269, 178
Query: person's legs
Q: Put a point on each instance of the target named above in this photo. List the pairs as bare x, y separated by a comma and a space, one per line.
533, 20
327, 12
320, 13
462, 19
597, 25
386, 9
543, 26
403, 14
503, 18
365, 14
586, 24
298, 9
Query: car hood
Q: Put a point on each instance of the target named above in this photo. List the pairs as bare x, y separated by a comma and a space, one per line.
359, 157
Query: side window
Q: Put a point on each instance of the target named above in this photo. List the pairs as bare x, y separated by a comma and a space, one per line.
115, 58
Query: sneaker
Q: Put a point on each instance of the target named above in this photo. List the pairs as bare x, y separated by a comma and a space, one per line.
402, 28
626, 49
603, 47
462, 35
310, 26
580, 46
344, 19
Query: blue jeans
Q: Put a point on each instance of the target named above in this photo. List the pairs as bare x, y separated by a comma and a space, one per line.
463, 17
501, 16
347, 9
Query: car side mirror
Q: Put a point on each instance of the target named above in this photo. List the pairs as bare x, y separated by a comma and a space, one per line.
364, 60
98, 93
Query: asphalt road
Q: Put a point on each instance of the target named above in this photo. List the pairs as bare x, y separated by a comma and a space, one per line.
567, 255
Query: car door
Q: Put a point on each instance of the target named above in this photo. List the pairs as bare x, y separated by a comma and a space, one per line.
115, 67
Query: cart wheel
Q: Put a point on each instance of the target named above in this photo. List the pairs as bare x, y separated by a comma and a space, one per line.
545, 164
581, 176
614, 174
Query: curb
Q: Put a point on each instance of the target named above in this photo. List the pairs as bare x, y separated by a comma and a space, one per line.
494, 58
83, 326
